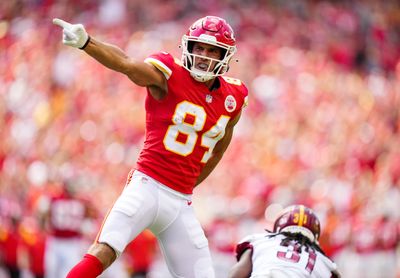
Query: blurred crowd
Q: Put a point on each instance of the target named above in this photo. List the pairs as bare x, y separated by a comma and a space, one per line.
322, 127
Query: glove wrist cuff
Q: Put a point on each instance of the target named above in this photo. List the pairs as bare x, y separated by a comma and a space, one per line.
86, 43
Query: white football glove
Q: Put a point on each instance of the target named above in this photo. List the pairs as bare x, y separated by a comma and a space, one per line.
74, 35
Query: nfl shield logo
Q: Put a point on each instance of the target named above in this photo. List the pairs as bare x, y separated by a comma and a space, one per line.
209, 98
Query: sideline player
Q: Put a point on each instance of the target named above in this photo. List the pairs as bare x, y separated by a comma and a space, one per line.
65, 215
191, 110
291, 250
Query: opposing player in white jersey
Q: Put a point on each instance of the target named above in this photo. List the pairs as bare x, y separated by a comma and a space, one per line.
191, 110
290, 251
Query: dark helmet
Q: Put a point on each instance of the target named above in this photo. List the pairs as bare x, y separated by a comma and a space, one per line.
299, 219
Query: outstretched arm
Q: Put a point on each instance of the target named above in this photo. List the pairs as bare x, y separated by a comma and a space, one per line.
112, 57
243, 268
218, 151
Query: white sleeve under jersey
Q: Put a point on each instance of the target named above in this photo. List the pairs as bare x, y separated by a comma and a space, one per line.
272, 255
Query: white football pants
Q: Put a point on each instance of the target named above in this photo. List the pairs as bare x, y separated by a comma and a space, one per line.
146, 203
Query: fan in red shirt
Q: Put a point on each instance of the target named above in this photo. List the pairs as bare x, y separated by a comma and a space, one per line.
140, 254
10, 244
34, 241
191, 110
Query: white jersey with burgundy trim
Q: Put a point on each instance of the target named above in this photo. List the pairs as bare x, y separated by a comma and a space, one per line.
272, 254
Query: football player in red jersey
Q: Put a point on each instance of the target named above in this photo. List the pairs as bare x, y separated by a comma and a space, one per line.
191, 110
65, 215
291, 250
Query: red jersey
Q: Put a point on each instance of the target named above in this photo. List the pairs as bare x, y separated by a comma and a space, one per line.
183, 128
67, 215
34, 241
10, 240
141, 252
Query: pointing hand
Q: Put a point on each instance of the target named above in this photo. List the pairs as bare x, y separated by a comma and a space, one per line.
74, 35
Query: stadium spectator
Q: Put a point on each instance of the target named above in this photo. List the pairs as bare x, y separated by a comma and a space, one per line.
10, 247
33, 236
140, 254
